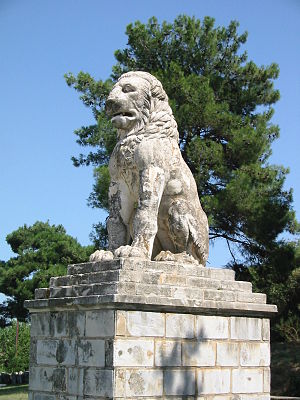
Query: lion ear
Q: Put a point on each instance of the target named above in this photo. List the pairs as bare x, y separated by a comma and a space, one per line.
158, 92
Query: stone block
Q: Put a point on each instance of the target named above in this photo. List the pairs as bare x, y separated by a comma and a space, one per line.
247, 380
41, 378
266, 329
211, 327
167, 353
255, 354
198, 354
267, 380
219, 295
91, 353
121, 325
228, 354
40, 324
180, 325
246, 328
144, 382
213, 381
179, 382
59, 324
140, 323
75, 381
133, 353
76, 322
120, 383
52, 352
100, 323
98, 382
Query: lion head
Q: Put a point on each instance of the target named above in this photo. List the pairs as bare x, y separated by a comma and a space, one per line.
138, 104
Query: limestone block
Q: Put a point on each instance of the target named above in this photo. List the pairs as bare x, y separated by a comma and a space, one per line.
198, 354
179, 382
133, 353
59, 324
219, 295
251, 297
255, 354
76, 322
228, 354
47, 378
120, 383
211, 327
75, 381
167, 353
54, 352
98, 382
140, 323
91, 353
100, 323
246, 328
180, 325
247, 380
148, 382
121, 323
40, 324
266, 329
213, 381
267, 380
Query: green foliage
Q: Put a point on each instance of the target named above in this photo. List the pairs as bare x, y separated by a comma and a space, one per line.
14, 359
42, 251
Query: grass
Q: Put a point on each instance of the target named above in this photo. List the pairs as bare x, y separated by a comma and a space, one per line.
285, 369
19, 392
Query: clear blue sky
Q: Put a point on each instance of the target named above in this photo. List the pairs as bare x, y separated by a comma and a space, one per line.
42, 40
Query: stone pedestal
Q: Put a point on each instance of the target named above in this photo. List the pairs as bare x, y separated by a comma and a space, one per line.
130, 329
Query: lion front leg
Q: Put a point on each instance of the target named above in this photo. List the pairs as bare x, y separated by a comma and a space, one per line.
117, 230
144, 225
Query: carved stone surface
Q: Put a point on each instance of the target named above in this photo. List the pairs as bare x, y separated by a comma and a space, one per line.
154, 206
152, 285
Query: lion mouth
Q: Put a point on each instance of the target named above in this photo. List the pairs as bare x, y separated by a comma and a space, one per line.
122, 116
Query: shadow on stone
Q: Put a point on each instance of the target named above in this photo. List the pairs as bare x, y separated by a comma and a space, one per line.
180, 359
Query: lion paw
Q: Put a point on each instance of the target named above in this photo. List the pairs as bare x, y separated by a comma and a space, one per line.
128, 251
101, 255
178, 257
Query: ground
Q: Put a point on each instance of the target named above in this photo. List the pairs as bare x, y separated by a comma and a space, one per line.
18, 392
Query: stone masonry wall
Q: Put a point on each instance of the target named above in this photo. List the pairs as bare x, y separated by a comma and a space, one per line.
97, 354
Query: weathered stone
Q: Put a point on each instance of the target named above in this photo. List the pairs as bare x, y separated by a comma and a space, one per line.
98, 382
145, 382
211, 327
255, 354
133, 353
247, 380
100, 323
145, 324
228, 354
198, 354
40, 324
75, 381
59, 324
213, 381
168, 353
179, 382
246, 328
180, 325
91, 353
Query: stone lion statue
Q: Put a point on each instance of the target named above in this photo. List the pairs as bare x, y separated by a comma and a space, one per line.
155, 212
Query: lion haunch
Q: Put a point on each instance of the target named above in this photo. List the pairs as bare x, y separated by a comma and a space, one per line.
155, 212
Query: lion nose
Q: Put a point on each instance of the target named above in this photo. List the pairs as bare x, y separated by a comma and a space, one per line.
111, 106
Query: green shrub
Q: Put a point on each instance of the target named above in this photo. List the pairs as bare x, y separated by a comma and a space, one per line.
14, 359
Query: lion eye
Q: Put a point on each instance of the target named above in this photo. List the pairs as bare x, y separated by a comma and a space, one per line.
128, 88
